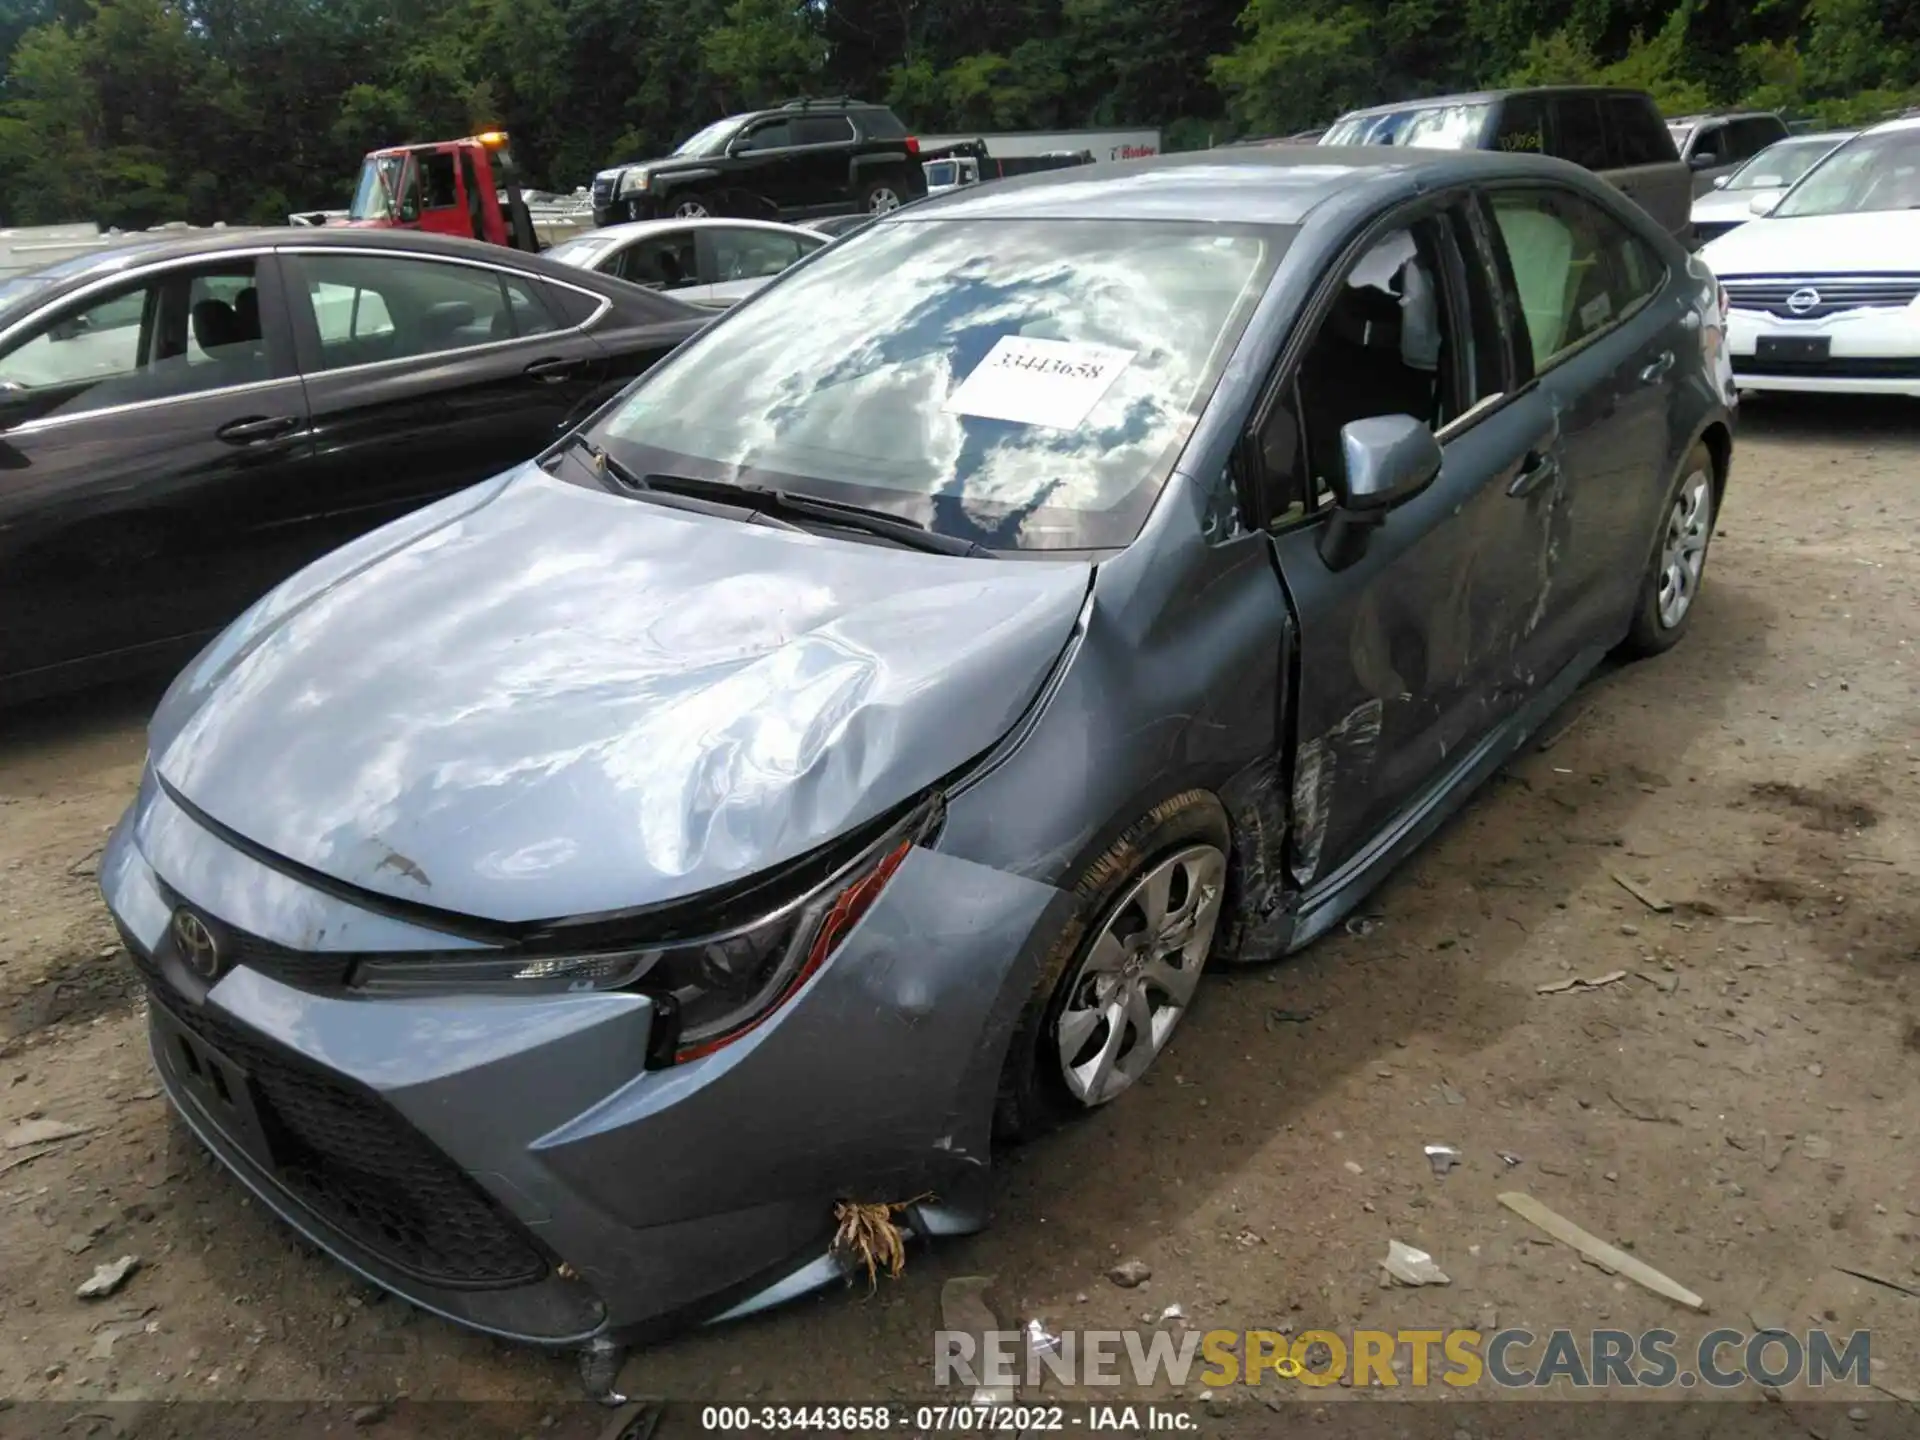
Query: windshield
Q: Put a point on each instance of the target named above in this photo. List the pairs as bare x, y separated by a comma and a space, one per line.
1870, 172
1431, 127
1024, 384
712, 140
1780, 164
379, 183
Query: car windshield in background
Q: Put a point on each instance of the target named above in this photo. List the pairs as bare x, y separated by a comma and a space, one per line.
582, 251
1870, 172
1024, 384
710, 141
1431, 127
379, 183
1779, 165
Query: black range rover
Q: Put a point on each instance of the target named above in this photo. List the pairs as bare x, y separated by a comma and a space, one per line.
803, 158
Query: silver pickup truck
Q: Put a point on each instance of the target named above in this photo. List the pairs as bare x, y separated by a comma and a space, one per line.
1617, 134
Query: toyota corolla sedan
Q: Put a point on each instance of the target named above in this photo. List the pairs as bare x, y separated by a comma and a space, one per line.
1824, 289
852, 746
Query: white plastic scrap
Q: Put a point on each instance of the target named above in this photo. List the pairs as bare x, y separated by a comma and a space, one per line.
1412, 1267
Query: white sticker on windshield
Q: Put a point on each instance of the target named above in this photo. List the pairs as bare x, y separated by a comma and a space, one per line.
1051, 383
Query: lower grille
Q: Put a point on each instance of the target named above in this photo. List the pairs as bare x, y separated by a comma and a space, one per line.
1823, 296
1839, 367
365, 1171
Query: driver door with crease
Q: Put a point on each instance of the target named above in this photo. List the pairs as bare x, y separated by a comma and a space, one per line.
1413, 633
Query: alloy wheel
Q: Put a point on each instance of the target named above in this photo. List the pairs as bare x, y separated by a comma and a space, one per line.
689, 210
1683, 552
881, 200
1137, 979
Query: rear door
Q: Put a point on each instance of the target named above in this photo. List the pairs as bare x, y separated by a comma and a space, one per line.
149, 459
1417, 650
425, 374
1601, 330
822, 164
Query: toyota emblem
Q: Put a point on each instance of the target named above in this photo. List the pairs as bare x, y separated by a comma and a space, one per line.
1803, 300
199, 947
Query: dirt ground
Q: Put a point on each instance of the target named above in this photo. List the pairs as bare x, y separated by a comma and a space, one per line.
1740, 1108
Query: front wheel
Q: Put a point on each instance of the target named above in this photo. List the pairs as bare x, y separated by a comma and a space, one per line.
1122, 973
690, 208
1678, 565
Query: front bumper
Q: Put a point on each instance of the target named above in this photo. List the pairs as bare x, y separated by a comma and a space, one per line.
508, 1163
1869, 352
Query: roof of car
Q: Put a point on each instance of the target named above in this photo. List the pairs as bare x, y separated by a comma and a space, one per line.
1905, 122
1277, 185
638, 229
1487, 97
1703, 118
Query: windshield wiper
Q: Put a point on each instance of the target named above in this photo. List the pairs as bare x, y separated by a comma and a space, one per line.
910, 534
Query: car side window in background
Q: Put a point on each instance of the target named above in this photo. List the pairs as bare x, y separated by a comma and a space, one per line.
1710, 145
1754, 134
1387, 345
184, 332
1579, 133
661, 262
882, 124
1522, 127
1638, 136
776, 135
1576, 270
822, 130
370, 308
751, 254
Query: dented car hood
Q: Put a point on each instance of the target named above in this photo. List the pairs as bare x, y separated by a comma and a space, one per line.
542, 701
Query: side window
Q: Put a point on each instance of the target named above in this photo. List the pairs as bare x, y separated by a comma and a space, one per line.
1754, 134
436, 179
184, 332
1576, 270
774, 135
1710, 144
1578, 134
470, 181
1638, 136
1388, 344
369, 308
751, 254
661, 262
822, 130
1522, 126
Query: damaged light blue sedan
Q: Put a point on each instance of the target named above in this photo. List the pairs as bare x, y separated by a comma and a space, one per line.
851, 746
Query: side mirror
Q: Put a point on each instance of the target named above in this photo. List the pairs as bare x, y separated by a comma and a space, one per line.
1703, 160
1720, 181
1764, 204
1389, 460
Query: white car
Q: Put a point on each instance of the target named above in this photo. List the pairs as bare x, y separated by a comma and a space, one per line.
1823, 293
1764, 179
709, 261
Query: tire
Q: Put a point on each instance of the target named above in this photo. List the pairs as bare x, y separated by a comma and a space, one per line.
881, 197
1092, 972
1676, 566
689, 207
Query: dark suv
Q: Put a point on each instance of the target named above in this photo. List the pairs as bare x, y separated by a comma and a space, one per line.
1618, 134
806, 157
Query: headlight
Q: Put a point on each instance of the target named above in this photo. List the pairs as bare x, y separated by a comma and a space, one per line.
634, 181
709, 989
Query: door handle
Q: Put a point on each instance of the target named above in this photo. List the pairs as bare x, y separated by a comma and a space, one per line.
255, 430
1535, 471
551, 369
1656, 372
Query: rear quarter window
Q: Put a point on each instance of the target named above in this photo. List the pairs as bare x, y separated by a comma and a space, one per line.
881, 124
1639, 135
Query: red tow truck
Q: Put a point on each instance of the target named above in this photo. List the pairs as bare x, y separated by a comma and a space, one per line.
448, 187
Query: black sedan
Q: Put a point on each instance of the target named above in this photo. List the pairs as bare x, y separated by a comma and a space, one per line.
186, 421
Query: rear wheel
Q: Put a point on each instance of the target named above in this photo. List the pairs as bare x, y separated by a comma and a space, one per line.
1122, 973
880, 197
1678, 566
691, 208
